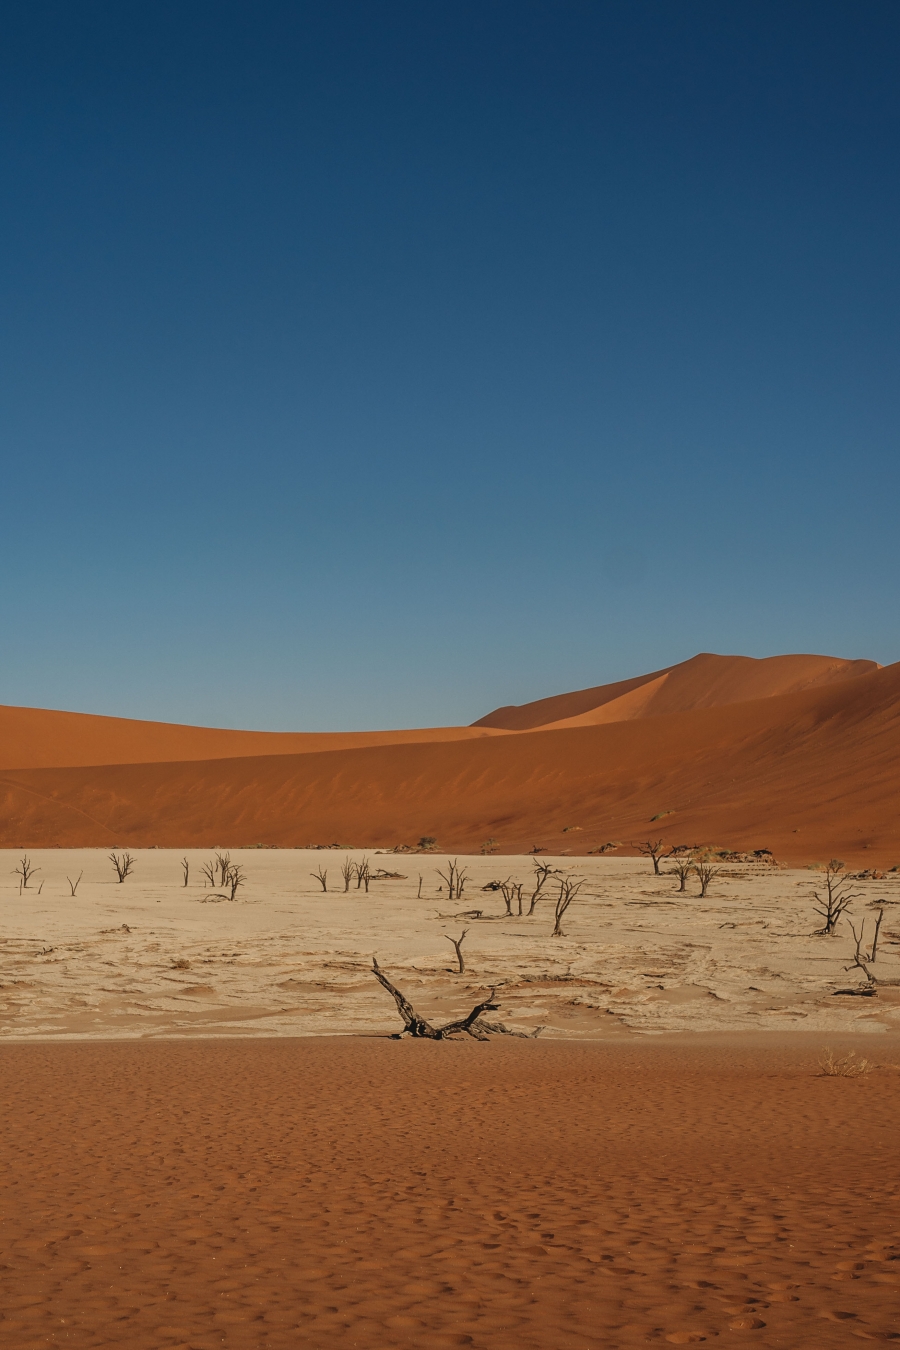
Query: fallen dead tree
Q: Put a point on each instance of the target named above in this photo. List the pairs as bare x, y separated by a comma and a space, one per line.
474, 1025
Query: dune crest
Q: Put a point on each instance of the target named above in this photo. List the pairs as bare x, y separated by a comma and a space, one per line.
705, 681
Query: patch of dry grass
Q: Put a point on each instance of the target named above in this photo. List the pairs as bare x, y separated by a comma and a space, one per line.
844, 1066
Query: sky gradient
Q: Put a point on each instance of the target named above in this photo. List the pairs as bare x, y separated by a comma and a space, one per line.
373, 365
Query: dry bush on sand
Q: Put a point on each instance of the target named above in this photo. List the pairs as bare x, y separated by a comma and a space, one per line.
845, 1066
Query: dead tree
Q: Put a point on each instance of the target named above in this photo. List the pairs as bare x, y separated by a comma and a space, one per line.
416, 1026
419, 893
363, 874
568, 889
705, 872
123, 864
684, 866
835, 898
508, 890
652, 848
186, 869
73, 885
321, 876
542, 874
223, 862
234, 879
348, 867
457, 943
863, 959
25, 871
208, 870
455, 878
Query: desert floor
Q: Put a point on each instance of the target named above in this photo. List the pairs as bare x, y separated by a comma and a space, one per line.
151, 957
518, 1194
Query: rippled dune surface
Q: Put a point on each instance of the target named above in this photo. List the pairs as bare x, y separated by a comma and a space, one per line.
362, 1192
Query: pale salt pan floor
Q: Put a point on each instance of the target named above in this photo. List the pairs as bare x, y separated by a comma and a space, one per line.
286, 959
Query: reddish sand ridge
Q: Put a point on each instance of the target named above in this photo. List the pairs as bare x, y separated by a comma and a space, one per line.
37, 738
508, 1196
810, 775
706, 681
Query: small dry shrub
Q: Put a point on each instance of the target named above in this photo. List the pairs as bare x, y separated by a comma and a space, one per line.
181, 964
845, 1066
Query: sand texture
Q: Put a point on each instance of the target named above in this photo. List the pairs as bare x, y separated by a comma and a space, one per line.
150, 957
516, 1195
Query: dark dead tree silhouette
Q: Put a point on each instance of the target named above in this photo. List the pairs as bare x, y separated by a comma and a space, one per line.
682, 869
223, 862
321, 876
122, 863
186, 869
542, 874
835, 897
568, 889
652, 848
705, 872
73, 885
457, 943
455, 878
208, 870
348, 868
25, 872
474, 1024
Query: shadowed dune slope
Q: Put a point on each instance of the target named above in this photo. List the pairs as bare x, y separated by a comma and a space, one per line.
809, 775
705, 681
37, 738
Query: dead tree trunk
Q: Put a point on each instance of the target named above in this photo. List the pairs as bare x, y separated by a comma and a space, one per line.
416, 1026
321, 876
652, 848
457, 943
348, 867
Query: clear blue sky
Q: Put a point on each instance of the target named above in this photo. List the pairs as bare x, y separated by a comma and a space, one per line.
375, 364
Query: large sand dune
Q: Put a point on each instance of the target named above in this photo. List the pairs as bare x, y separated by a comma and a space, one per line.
706, 681
808, 774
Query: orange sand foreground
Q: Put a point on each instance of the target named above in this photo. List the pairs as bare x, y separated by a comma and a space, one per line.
355, 1192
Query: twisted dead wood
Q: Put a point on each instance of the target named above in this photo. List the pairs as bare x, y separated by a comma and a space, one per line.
472, 1025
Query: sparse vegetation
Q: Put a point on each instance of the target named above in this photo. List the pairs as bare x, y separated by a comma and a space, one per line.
123, 863
489, 845
835, 897
25, 872
181, 964
427, 842
847, 1066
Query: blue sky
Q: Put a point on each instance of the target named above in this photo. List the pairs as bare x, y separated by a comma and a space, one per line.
375, 364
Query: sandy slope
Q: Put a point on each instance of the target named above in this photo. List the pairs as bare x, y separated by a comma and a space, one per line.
705, 681
152, 957
509, 1196
810, 775
35, 738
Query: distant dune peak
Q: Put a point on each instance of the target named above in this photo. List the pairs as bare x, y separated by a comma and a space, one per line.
706, 680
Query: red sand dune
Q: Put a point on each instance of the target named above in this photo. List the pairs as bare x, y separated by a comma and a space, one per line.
510, 1196
706, 681
38, 738
810, 775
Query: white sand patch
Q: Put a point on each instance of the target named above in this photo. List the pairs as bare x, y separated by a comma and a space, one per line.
151, 957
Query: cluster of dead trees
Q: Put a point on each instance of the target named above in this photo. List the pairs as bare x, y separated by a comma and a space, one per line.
223, 878
686, 862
